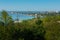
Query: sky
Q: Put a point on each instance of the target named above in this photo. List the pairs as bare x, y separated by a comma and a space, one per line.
30, 5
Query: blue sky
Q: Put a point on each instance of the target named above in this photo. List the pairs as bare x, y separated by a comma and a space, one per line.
30, 5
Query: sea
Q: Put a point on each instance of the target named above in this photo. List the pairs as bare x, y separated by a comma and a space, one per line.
20, 16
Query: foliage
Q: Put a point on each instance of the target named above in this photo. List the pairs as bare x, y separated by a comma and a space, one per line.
52, 26
26, 30
34, 29
5, 18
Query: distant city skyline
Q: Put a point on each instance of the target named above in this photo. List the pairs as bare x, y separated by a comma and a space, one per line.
30, 5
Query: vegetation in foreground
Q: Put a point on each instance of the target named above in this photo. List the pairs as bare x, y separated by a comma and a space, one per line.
47, 28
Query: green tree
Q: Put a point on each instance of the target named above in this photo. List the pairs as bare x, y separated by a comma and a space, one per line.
52, 27
5, 18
